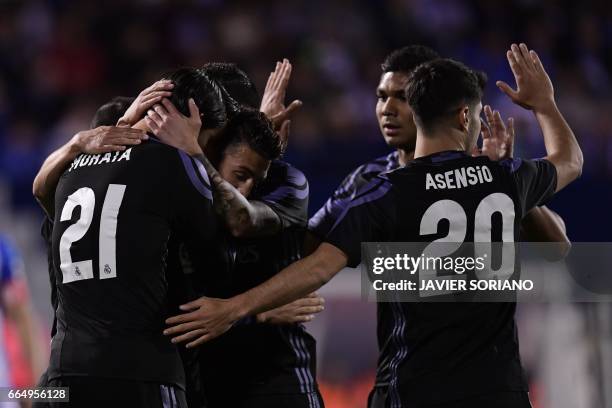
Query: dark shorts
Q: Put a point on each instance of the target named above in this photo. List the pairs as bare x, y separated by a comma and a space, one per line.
312, 400
92, 392
509, 399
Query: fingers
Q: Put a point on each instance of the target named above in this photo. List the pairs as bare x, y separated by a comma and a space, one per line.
518, 58
505, 88
161, 85
155, 116
182, 318
155, 97
194, 112
527, 60
277, 75
153, 125
188, 336
310, 301
124, 141
498, 122
309, 310
284, 78
485, 130
280, 77
510, 139
514, 66
202, 340
536, 62
112, 148
279, 119
284, 134
161, 111
194, 304
489, 116
181, 328
475, 151
169, 106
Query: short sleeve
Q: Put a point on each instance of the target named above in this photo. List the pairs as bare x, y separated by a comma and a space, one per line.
369, 217
193, 200
285, 191
321, 223
536, 181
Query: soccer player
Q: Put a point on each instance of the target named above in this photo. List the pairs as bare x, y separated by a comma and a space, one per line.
270, 360
113, 215
453, 355
397, 127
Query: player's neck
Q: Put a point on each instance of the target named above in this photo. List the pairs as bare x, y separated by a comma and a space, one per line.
438, 141
405, 156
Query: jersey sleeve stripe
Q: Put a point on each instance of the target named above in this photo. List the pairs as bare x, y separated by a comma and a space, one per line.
380, 188
287, 191
198, 183
511, 164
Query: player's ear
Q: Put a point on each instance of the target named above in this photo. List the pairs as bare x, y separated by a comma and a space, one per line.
464, 118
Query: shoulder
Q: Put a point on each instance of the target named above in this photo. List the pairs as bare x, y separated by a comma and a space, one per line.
379, 165
283, 171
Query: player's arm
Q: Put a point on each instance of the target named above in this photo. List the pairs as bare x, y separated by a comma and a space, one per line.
535, 92
542, 224
299, 311
372, 218
243, 217
321, 223
94, 141
209, 318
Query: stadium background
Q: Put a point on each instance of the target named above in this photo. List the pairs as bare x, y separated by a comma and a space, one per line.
60, 60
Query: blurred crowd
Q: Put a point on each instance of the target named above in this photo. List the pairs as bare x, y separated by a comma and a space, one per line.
60, 60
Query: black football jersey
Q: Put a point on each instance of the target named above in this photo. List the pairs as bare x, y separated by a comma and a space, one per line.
438, 352
114, 216
259, 358
324, 219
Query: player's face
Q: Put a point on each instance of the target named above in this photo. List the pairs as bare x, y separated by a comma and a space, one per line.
243, 167
393, 112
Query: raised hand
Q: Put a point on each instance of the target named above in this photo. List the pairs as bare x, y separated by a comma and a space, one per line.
273, 100
174, 128
534, 89
145, 100
299, 311
106, 139
497, 139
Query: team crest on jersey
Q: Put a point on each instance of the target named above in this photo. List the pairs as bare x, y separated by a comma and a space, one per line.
97, 159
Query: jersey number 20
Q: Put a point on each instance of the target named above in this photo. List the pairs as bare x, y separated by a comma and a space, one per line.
86, 199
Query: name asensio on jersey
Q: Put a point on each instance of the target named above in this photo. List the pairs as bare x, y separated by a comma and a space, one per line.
459, 178
96, 159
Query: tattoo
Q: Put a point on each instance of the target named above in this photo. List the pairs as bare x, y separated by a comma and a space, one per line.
243, 217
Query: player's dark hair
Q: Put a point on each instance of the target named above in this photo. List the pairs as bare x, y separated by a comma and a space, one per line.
407, 58
235, 81
109, 113
253, 128
436, 88
207, 94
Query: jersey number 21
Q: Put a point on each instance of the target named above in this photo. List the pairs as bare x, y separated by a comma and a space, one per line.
86, 199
